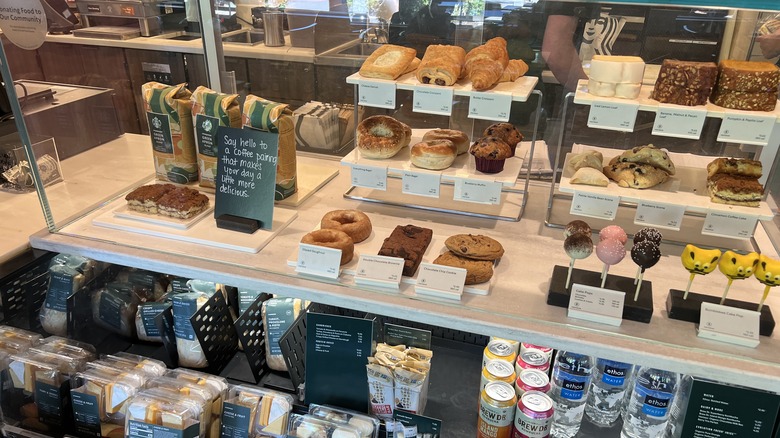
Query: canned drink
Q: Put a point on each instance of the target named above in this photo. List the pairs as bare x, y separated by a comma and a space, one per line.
496, 410
497, 370
514, 344
534, 416
498, 349
532, 380
546, 350
532, 359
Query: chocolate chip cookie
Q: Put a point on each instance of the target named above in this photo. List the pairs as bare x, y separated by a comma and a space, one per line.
475, 246
477, 271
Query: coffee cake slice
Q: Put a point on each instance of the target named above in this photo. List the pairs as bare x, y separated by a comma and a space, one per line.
144, 198
182, 203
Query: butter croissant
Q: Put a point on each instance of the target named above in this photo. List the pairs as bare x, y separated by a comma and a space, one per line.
486, 63
515, 69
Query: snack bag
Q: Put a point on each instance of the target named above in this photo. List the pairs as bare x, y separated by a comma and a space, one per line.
209, 111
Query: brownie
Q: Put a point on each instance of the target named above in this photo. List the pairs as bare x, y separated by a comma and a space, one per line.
408, 242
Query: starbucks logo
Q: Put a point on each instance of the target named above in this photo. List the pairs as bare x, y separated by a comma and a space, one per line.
157, 123
207, 125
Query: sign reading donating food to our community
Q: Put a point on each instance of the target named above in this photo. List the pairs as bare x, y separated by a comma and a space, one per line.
246, 178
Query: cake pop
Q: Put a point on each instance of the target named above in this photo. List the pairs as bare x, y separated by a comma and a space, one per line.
613, 232
611, 252
576, 227
698, 262
577, 246
645, 255
736, 267
768, 273
648, 233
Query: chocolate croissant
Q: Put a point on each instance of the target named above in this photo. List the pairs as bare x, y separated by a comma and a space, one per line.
441, 65
486, 63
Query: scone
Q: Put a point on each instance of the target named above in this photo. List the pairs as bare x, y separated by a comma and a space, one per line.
477, 271
635, 175
648, 154
589, 176
589, 158
475, 246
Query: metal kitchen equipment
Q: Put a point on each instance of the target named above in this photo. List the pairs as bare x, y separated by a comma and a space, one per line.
148, 14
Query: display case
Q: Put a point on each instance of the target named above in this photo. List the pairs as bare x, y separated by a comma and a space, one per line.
514, 303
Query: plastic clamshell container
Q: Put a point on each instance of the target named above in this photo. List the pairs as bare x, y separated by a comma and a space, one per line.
367, 425
268, 411
305, 426
111, 389
156, 407
144, 364
19, 336
203, 394
70, 347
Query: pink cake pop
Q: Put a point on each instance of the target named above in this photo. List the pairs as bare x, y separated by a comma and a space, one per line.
614, 232
577, 246
611, 252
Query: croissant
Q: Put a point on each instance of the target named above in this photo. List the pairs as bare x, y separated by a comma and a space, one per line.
441, 65
486, 63
515, 69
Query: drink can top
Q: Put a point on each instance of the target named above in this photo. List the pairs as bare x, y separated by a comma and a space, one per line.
534, 378
500, 368
500, 391
500, 348
536, 401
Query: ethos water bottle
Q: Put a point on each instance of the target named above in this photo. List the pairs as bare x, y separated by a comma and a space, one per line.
650, 404
569, 390
607, 390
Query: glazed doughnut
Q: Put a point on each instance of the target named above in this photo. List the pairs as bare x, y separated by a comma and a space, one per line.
332, 239
433, 154
458, 138
382, 137
353, 222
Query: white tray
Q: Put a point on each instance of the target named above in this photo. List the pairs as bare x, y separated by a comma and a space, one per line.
124, 212
463, 167
204, 232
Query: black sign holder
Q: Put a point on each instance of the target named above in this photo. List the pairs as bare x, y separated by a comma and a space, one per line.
164, 323
249, 327
214, 329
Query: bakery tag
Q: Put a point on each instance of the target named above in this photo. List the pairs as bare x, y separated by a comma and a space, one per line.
594, 205
749, 128
729, 324
378, 94
421, 183
615, 116
733, 225
669, 216
596, 304
477, 191
490, 106
679, 121
379, 271
440, 281
370, 177
431, 99
318, 260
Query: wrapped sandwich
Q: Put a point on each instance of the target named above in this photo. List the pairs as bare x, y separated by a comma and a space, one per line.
251, 412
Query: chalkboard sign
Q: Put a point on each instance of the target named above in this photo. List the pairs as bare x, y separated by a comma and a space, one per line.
246, 179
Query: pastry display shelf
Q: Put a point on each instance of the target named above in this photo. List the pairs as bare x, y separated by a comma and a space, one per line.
581, 96
515, 308
521, 89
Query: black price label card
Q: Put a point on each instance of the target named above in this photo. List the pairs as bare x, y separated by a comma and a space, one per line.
337, 351
411, 337
718, 410
415, 425
246, 174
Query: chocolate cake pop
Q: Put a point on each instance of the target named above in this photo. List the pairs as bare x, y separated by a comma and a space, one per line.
645, 255
648, 233
576, 227
613, 232
577, 246
698, 262
610, 252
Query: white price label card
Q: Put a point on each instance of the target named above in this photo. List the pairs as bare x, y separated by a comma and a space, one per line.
421, 183
596, 304
490, 106
679, 121
732, 225
440, 280
370, 177
669, 216
594, 205
377, 94
729, 324
750, 128
477, 191
379, 271
615, 116
318, 260
431, 99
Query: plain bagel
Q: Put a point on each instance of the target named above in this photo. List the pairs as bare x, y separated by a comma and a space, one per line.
434, 154
382, 137
458, 138
355, 223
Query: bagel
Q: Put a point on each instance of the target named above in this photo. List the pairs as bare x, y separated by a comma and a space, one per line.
353, 222
381, 137
458, 138
434, 154
332, 239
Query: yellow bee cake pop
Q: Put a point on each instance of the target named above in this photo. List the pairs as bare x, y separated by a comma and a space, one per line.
736, 267
698, 261
768, 273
